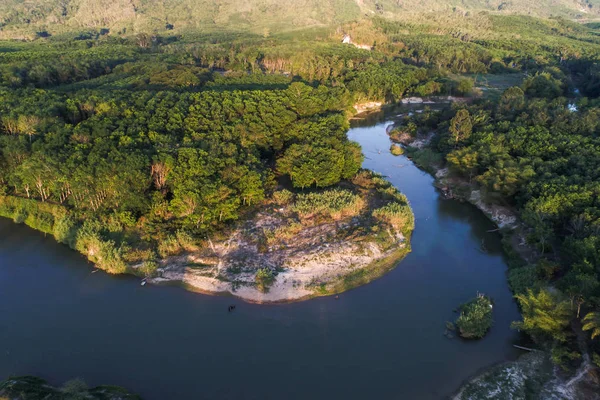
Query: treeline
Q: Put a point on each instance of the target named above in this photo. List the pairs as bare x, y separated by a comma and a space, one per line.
149, 164
539, 152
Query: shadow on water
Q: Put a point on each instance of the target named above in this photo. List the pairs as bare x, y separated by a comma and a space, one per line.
383, 340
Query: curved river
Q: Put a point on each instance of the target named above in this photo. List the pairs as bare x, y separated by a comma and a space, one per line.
382, 341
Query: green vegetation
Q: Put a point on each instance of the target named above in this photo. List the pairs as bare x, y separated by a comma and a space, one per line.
475, 318
130, 133
32, 388
46, 18
336, 204
264, 279
529, 144
398, 215
396, 150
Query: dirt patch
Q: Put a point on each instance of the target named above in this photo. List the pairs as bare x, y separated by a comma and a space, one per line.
501, 216
368, 106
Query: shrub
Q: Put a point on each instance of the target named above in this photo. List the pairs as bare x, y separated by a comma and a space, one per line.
264, 279
283, 197
399, 216
426, 159
186, 241
396, 150
75, 388
65, 230
335, 203
168, 246
286, 232
475, 318
523, 278
364, 179
149, 268
102, 252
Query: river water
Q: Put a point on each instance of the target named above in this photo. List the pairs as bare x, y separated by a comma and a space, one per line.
382, 341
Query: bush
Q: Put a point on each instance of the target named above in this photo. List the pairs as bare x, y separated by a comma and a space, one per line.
283, 197
426, 159
169, 246
186, 241
399, 216
396, 150
65, 230
75, 388
475, 318
149, 268
264, 279
102, 252
523, 278
336, 203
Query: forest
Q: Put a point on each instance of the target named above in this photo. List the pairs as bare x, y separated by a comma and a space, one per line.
537, 152
534, 148
117, 142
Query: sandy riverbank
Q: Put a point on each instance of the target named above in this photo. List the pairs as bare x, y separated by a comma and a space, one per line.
279, 254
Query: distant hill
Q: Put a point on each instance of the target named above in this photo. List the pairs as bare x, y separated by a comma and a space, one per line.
28, 17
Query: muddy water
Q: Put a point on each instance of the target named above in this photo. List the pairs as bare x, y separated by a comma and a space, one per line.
381, 341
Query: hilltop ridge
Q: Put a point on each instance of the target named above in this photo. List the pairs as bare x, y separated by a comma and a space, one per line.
21, 19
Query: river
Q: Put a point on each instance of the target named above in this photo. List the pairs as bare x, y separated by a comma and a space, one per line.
383, 340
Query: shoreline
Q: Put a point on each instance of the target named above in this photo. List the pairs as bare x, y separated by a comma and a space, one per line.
278, 253
376, 269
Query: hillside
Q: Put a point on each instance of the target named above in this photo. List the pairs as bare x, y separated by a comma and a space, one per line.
24, 19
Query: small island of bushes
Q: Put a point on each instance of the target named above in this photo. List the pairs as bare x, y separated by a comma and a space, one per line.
475, 318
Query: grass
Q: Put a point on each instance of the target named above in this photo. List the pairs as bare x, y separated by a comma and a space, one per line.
399, 216
335, 203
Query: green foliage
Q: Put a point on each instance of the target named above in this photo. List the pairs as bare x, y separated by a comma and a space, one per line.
591, 322
564, 357
426, 158
149, 268
104, 253
65, 230
334, 203
475, 318
523, 278
465, 86
75, 388
398, 215
544, 85
545, 315
283, 197
461, 127
396, 150
264, 279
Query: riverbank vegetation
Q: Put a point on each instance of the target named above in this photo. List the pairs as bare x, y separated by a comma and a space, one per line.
134, 145
33, 388
475, 317
300, 244
532, 150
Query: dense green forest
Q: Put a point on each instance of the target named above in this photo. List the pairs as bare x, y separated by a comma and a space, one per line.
537, 152
534, 148
118, 140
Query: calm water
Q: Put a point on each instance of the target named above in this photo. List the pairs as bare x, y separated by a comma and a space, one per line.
382, 341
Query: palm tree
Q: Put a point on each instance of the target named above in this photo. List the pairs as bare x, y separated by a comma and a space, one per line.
591, 322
